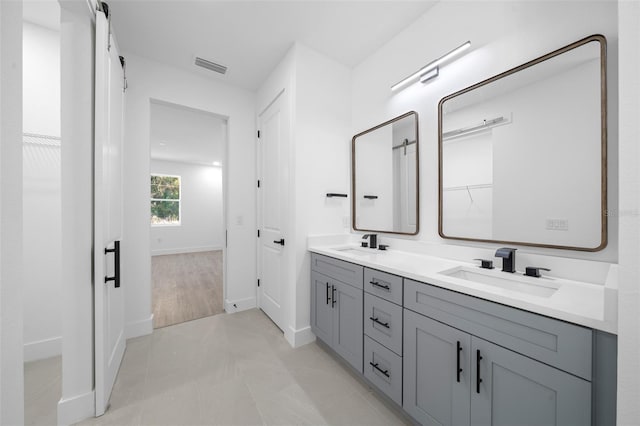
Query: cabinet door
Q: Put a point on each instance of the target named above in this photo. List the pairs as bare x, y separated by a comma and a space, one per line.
321, 312
516, 390
347, 323
435, 393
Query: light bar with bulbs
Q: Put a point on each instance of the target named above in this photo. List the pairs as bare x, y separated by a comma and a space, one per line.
430, 70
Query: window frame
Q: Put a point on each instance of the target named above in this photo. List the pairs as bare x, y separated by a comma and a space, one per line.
178, 200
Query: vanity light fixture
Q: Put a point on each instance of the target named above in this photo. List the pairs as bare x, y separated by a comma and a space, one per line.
431, 70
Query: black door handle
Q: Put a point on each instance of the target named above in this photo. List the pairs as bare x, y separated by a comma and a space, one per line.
281, 242
478, 379
327, 293
459, 370
384, 324
116, 276
333, 295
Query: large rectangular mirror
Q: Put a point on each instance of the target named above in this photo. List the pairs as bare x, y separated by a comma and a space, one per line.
523, 154
385, 177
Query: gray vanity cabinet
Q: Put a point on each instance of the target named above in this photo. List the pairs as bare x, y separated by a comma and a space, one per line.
336, 307
437, 372
514, 387
347, 323
321, 308
453, 378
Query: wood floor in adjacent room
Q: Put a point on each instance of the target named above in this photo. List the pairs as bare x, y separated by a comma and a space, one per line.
186, 287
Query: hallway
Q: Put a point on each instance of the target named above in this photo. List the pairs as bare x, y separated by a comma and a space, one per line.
186, 286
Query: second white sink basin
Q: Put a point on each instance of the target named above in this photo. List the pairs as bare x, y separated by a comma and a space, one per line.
540, 287
357, 251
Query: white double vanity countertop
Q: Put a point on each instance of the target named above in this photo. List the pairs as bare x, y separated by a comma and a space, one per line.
587, 304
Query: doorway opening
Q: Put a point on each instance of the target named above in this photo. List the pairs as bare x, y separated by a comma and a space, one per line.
187, 213
42, 215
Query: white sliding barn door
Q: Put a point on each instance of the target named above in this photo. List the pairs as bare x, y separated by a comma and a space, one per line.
273, 147
110, 339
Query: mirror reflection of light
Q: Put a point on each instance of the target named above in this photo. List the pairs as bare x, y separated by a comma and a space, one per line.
216, 163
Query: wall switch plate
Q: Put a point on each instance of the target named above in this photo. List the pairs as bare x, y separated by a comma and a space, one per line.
557, 224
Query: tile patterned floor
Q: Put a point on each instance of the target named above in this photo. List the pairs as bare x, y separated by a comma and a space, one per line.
237, 370
42, 390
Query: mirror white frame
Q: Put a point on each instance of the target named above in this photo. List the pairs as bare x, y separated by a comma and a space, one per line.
401, 195
600, 157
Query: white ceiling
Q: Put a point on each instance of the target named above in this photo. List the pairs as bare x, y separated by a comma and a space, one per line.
185, 134
251, 37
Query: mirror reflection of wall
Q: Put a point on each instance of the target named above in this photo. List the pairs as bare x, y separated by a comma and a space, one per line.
385, 173
522, 155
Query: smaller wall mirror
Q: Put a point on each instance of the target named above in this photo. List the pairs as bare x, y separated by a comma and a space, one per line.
385, 177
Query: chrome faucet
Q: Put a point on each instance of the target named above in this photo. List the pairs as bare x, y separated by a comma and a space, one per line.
508, 256
373, 240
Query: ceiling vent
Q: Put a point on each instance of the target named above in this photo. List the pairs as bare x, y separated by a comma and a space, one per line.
211, 66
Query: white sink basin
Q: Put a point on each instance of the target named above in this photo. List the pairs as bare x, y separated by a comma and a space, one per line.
357, 251
540, 287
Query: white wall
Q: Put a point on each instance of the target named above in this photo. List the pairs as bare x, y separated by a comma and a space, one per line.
503, 35
149, 80
41, 73
11, 358
629, 213
201, 210
42, 193
318, 91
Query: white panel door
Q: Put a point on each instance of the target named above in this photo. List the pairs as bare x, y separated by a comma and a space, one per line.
273, 148
109, 298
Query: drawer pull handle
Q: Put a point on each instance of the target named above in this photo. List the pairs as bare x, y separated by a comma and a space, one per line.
478, 379
328, 298
385, 286
459, 370
333, 295
384, 324
385, 372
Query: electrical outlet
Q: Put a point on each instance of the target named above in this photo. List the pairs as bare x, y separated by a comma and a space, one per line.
239, 220
557, 224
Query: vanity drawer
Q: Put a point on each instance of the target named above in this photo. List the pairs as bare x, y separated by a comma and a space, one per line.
554, 342
384, 285
346, 272
386, 329
383, 368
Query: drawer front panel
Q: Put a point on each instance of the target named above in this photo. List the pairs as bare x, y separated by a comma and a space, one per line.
384, 285
383, 368
554, 342
346, 272
383, 322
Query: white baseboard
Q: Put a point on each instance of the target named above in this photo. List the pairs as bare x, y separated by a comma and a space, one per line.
160, 252
231, 306
43, 349
139, 328
77, 408
299, 337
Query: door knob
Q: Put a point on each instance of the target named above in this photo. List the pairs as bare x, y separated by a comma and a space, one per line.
281, 242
